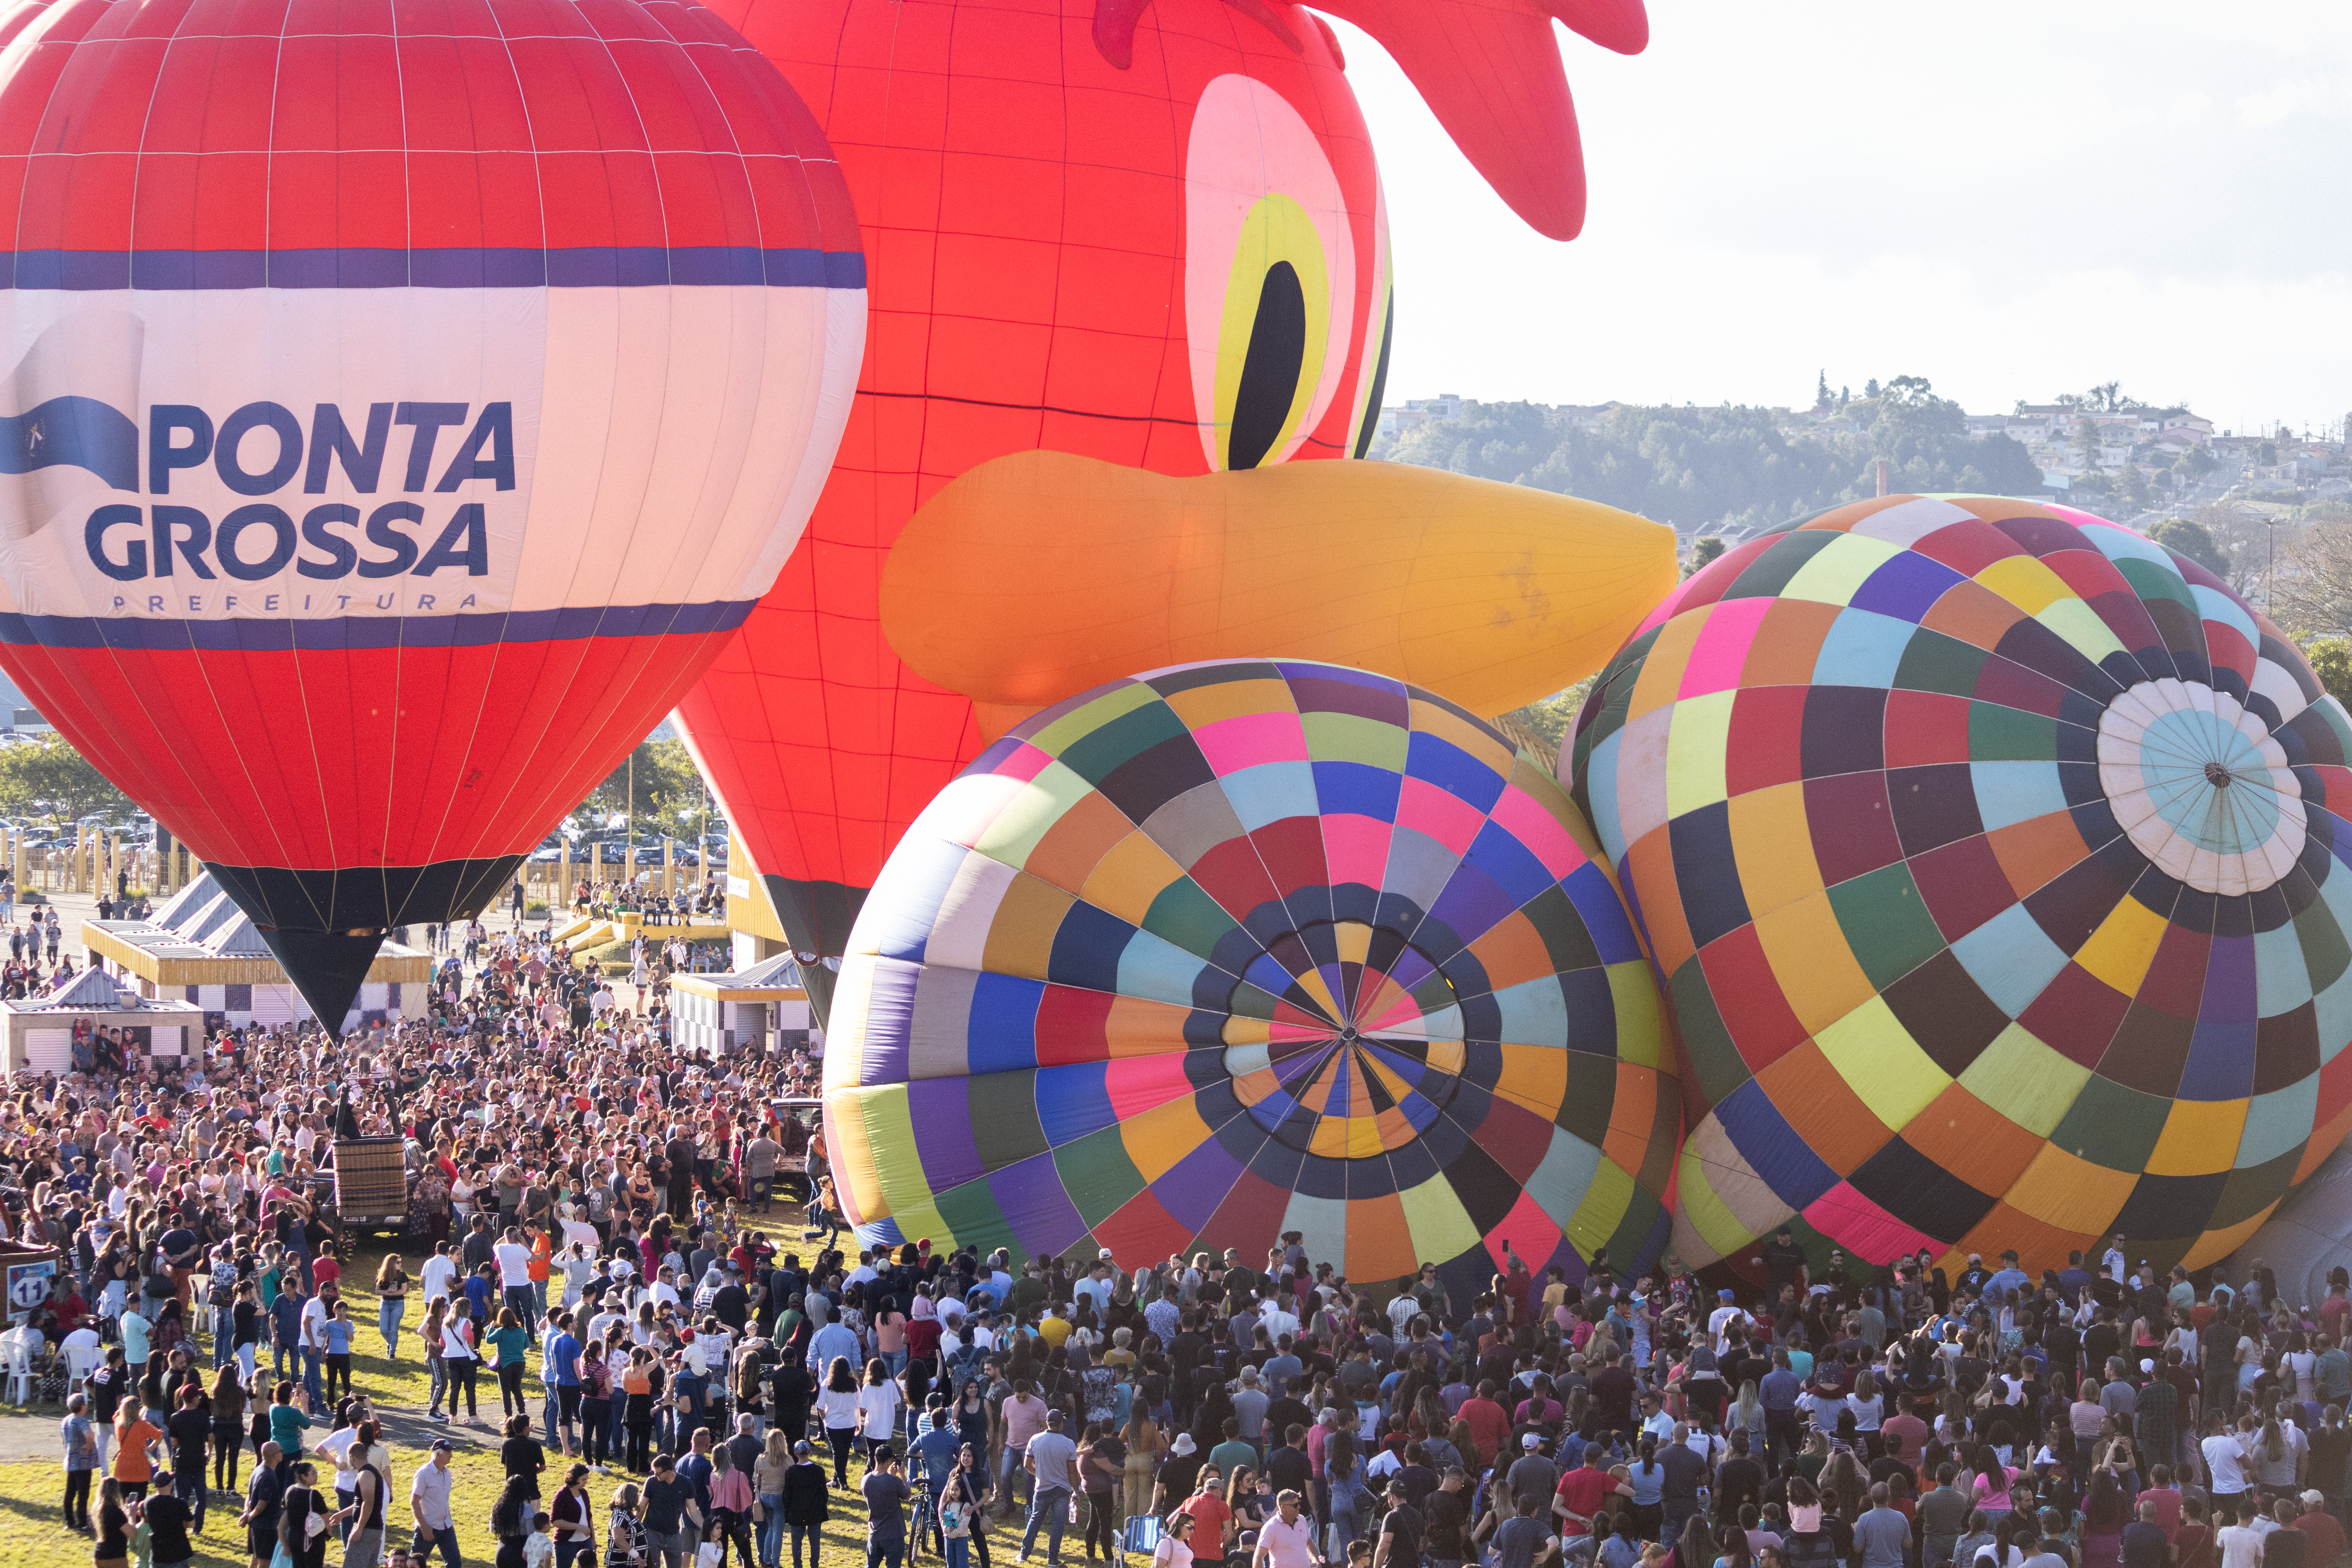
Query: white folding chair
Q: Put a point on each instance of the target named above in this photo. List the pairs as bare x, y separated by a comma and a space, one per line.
16, 1363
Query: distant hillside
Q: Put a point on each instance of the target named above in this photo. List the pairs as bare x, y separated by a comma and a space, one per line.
1704, 470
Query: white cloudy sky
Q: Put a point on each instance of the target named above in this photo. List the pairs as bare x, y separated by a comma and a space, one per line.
2012, 199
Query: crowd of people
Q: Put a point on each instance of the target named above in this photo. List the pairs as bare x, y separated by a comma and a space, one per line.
594, 1239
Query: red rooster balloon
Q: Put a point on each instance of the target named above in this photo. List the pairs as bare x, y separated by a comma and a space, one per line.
1110, 241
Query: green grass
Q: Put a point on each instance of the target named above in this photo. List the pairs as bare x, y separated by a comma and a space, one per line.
33, 1535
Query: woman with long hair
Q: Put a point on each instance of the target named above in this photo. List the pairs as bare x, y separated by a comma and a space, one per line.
112, 1548
637, 1412
461, 1355
971, 1474
2106, 1511
573, 1515
513, 1342
1733, 1544
1844, 1490
391, 1302
510, 1518
1746, 1415
837, 1402
879, 1400
1992, 1482
1695, 1548
1141, 1439
1101, 1465
768, 1486
731, 1507
1428, 1418
1648, 1478
1175, 1548
302, 1516
959, 1516
1349, 1506
229, 1424
1865, 1404
437, 1370
595, 1403
2276, 1461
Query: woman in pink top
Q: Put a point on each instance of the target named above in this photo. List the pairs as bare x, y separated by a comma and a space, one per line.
1992, 1480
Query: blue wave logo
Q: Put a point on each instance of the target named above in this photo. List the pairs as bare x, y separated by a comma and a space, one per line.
75, 432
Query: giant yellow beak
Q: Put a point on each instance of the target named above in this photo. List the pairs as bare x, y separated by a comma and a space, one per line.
1038, 575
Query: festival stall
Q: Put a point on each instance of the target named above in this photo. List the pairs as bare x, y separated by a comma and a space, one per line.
95, 1021
762, 1008
200, 947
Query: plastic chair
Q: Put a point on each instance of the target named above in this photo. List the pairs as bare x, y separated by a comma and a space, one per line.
16, 1364
80, 1362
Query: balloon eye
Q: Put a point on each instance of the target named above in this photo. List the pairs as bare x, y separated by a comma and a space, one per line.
1372, 366
1368, 411
1269, 383
1276, 320
1269, 274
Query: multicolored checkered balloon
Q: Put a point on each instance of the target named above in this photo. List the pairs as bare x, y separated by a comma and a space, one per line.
1232, 949
1992, 857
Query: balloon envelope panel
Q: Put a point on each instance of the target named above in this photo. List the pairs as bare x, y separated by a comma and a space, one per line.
1072, 242
1992, 857
1232, 949
400, 416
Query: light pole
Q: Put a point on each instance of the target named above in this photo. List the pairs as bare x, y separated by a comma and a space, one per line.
2270, 584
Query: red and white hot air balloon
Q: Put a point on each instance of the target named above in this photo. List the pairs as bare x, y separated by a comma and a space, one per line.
403, 401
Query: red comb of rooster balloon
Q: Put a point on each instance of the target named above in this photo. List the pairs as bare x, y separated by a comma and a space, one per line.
1493, 77
1490, 73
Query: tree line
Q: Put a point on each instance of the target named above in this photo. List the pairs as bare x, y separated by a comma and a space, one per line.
1725, 468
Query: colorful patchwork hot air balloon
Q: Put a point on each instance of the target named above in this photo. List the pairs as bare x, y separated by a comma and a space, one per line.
405, 407
1147, 235
1235, 948
1992, 857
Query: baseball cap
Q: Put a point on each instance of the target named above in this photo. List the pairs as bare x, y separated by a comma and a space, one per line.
442, 1445
1531, 1441
1104, 1256
1726, 1295
802, 1448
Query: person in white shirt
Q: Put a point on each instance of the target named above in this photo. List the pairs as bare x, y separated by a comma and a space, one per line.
1719, 1319
2241, 1545
514, 1275
429, 1503
662, 1289
1288, 1540
314, 1348
1278, 1322
878, 1404
2225, 1456
438, 1277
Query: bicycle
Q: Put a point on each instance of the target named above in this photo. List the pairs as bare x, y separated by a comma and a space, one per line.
925, 1517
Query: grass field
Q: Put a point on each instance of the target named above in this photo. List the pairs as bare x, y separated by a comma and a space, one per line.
33, 1535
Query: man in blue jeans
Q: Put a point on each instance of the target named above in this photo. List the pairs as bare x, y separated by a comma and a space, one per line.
1051, 1461
286, 1327
428, 1507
